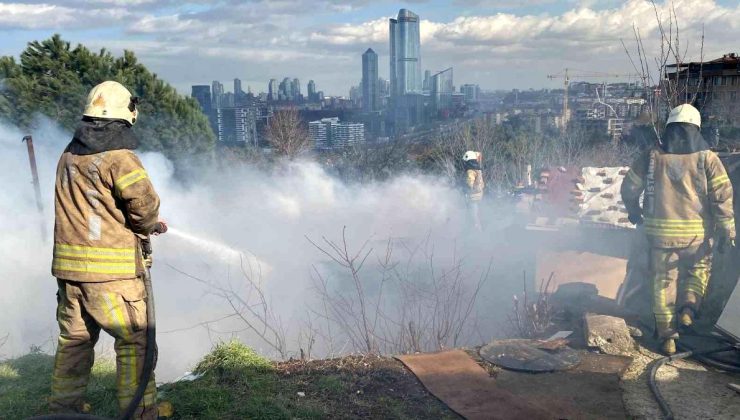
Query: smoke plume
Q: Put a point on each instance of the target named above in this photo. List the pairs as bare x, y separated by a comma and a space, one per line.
228, 219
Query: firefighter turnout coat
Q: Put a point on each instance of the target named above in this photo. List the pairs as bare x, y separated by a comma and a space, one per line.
103, 200
688, 197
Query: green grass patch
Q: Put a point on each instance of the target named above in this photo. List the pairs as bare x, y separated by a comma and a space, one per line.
331, 383
233, 357
25, 386
237, 383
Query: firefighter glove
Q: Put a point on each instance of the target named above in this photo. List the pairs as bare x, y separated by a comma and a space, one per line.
723, 242
159, 228
635, 218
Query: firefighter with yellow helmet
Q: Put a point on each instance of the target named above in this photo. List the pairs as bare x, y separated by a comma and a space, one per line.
105, 205
687, 203
474, 185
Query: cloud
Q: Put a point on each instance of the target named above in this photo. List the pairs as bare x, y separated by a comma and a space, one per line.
44, 16
258, 40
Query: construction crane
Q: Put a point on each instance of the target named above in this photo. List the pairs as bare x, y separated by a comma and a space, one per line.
566, 75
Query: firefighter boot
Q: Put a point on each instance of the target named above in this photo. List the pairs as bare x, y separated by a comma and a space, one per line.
687, 318
669, 347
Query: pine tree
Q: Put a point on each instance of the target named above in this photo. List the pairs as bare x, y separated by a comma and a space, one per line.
53, 79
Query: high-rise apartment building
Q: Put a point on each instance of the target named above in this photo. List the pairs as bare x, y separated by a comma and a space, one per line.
311, 91
217, 92
426, 85
296, 89
384, 88
227, 100
330, 133
405, 54
442, 88
471, 92
237, 125
355, 95
202, 94
370, 92
286, 90
272, 90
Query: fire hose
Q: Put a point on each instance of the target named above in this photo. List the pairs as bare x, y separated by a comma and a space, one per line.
150, 356
703, 356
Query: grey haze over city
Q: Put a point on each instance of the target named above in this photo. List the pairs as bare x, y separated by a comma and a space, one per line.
495, 44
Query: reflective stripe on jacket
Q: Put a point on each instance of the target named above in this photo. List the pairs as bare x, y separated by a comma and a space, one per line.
474, 181
102, 202
687, 197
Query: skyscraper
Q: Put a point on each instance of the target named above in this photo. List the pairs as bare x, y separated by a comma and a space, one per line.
202, 94
311, 91
405, 59
272, 90
427, 81
217, 92
296, 89
286, 89
237, 87
370, 81
442, 88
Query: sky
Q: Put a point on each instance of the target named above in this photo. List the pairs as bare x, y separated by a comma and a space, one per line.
498, 44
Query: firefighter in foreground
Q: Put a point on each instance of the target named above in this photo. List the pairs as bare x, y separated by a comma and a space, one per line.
105, 207
474, 185
687, 204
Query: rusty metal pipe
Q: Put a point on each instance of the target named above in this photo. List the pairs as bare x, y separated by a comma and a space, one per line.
36, 185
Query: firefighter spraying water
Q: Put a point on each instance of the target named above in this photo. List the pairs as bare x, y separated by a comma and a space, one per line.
106, 208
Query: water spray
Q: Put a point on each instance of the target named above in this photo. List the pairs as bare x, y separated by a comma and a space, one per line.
220, 250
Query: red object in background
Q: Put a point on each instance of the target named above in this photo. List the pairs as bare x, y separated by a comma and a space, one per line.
557, 191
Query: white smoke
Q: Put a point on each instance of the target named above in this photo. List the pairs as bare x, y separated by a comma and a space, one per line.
225, 214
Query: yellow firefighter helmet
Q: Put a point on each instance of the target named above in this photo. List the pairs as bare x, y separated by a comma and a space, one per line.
471, 155
111, 101
685, 114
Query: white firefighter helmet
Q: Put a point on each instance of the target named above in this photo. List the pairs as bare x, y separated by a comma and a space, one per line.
471, 155
111, 101
685, 114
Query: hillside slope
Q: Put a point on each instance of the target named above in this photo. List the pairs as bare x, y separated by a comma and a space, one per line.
237, 384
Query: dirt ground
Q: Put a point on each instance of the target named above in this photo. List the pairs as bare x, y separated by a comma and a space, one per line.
363, 387
692, 391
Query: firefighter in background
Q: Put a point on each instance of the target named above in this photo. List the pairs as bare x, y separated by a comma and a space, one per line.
687, 204
105, 205
474, 185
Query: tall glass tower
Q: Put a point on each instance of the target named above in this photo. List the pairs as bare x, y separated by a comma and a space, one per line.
370, 81
405, 46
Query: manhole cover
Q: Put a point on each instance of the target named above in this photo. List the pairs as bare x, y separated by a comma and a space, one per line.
528, 356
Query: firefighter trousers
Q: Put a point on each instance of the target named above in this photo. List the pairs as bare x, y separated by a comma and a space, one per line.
680, 279
83, 309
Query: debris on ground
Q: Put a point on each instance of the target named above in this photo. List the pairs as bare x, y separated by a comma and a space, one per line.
691, 390
734, 387
456, 379
531, 355
608, 333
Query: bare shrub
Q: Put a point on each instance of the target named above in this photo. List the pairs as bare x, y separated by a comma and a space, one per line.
653, 69
410, 303
287, 135
249, 304
530, 319
3, 340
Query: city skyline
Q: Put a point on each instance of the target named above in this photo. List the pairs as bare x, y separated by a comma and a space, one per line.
495, 44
